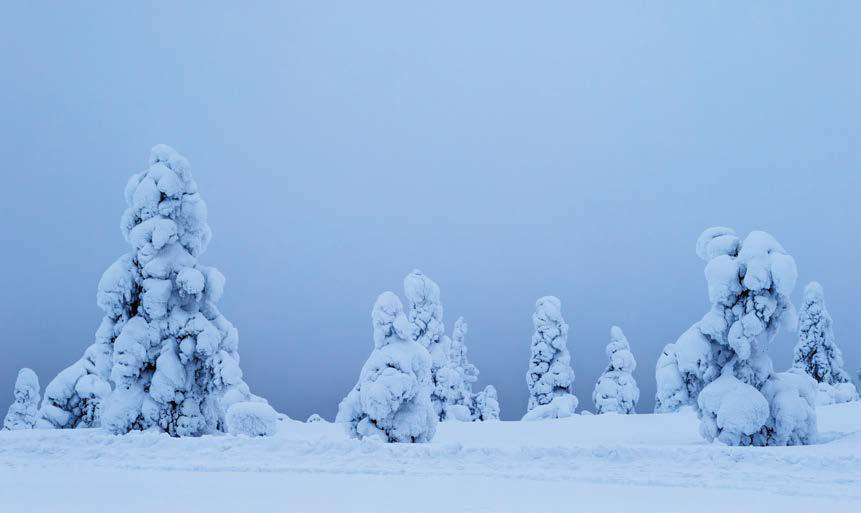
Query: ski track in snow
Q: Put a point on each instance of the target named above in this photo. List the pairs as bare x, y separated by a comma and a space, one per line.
641, 455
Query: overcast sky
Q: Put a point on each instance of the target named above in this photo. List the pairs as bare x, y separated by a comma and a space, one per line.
510, 151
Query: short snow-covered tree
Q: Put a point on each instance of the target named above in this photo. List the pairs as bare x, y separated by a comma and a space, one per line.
22, 412
485, 405
392, 399
314, 418
164, 355
672, 392
817, 353
724, 356
550, 379
616, 389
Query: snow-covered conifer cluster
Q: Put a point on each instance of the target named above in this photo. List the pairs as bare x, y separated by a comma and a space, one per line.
817, 353
22, 412
616, 389
723, 359
549, 378
392, 399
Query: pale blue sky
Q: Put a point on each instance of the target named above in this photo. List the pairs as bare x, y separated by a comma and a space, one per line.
508, 150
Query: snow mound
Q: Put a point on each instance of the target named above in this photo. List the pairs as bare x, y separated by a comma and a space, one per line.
251, 418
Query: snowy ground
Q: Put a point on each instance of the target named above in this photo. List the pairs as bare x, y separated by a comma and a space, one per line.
585, 463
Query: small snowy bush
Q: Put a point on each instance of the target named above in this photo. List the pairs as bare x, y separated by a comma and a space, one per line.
817, 353
724, 356
550, 376
616, 389
314, 418
486, 405
392, 399
22, 412
251, 418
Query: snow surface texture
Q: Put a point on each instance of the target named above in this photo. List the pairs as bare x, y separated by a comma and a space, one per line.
392, 400
817, 353
616, 390
549, 378
251, 418
163, 347
610, 463
22, 412
723, 359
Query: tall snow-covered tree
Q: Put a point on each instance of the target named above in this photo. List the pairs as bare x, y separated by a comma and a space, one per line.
22, 412
392, 399
741, 400
428, 329
164, 355
817, 353
616, 389
550, 379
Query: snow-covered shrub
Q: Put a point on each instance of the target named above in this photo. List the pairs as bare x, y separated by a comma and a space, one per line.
163, 347
741, 401
392, 399
251, 418
485, 405
549, 376
616, 389
314, 418
817, 353
22, 412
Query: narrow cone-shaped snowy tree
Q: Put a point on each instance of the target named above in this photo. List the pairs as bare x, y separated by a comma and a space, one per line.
550, 379
22, 413
164, 355
392, 399
425, 315
742, 401
616, 389
817, 353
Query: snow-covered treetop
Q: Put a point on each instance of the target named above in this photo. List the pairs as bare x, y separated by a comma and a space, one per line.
619, 352
163, 206
425, 307
754, 278
390, 323
550, 327
27, 384
814, 293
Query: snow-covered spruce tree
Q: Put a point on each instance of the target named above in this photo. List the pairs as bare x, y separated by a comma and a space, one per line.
616, 389
672, 392
549, 378
485, 405
169, 354
392, 399
22, 412
817, 353
425, 315
741, 400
